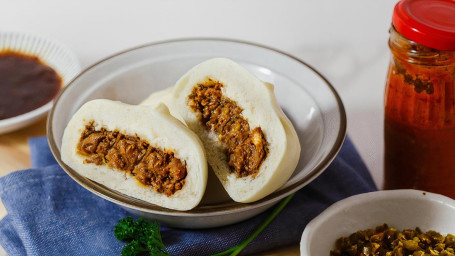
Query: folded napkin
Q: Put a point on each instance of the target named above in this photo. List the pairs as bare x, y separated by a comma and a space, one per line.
50, 214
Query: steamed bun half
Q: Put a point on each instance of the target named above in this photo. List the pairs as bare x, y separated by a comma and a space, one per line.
215, 99
162, 97
155, 127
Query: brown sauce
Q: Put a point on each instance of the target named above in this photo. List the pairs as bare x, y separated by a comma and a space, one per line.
151, 166
246, 149
26, 83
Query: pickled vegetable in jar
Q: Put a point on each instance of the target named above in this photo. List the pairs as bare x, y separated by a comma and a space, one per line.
419, 124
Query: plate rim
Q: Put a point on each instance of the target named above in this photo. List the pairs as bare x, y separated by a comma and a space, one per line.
231, 208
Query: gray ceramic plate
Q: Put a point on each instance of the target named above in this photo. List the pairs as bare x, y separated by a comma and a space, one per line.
308, 99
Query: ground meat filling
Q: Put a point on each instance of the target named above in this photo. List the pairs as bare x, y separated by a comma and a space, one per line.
152, 167
245, 149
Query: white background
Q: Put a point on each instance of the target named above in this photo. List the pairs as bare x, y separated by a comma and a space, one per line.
345, 40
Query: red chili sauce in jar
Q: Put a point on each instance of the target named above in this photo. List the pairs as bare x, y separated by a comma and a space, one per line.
26, 83
419, 127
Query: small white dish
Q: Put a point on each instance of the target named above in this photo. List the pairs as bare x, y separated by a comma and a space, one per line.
401, 209
310, 102
53, 53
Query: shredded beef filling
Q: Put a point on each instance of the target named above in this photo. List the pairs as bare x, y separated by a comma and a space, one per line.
151, 166
246, 149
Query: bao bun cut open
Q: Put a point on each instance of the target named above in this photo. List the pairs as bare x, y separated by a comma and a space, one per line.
140, 151
250, 144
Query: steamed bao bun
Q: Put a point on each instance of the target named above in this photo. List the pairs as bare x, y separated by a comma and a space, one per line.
158, 128
162, 97
260, 109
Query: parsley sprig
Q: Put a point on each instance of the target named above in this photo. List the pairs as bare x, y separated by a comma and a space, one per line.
143, 237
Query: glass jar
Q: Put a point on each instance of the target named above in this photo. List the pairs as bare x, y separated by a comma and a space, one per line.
419, 124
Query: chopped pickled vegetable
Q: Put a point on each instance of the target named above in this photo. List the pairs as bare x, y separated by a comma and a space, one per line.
386, 241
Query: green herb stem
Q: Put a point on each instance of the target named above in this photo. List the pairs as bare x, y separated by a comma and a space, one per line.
237, 249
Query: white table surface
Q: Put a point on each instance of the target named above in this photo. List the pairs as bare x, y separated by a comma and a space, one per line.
346, 41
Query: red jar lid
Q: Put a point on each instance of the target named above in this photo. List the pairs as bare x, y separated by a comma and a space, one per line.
428, 22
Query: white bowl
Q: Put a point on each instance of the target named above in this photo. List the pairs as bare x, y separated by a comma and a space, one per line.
310, 102
401, 209
52, 53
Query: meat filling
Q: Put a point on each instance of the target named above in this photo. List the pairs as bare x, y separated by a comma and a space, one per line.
152, 167
246, 149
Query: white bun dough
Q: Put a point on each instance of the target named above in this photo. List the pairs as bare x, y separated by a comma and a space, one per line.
154, 125
165, 97
260, 109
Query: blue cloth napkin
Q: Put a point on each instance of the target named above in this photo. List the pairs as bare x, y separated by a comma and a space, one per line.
50, 214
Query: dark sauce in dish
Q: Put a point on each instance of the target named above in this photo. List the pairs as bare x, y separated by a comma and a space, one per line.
26, 83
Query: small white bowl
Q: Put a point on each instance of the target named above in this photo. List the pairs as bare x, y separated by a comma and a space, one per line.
401, 209
53, 53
